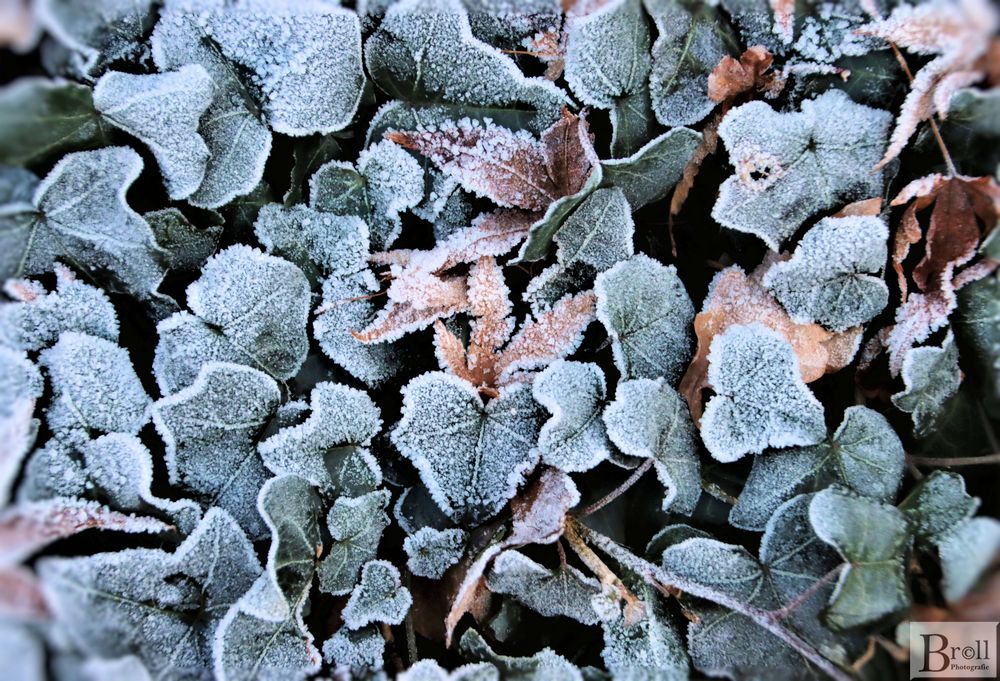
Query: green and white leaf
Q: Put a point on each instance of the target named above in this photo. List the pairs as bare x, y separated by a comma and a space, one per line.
574, 439
356, 527
931, 376
564, 591
378, 597
430, 552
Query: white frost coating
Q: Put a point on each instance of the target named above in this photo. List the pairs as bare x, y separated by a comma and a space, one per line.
649, 649
790, 166
565, 591
378, 597
829, 277
394, 182
966, 554
163, 111
355, 653
430, 670
574, 439
95, 388
338, 431
37, 316
431, 552
760, 398
650, 420
471, 457
141, 601
79, 213
332, 244
931, 376
21, 385
356, 526
648, 315
937, 505
98, 32
608, 53
210, 430
545, 664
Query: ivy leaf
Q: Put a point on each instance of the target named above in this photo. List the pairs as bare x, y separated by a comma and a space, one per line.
648, 419
966, 555
188, 246
541, 233
864, 455
98, 35
162, 607
782, 158
263, 634
545, 664
650, 648
978, 324
162, 110
356, 652
318, 243
330, 448
649, 174
43, 118
378, 597
647, 313
471, 456
430, 670
937, 505
631, 123
210, 430
931, 376
565, 591
574, 439
79, 213
21, 384
874, 540
356, 526
251, 308
829, 277
431, 552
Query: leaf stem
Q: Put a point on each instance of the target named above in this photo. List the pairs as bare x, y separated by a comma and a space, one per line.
600, 569
956, 461
616, 492
808, 593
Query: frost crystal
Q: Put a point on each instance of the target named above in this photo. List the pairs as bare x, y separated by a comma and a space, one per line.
188, 246
544, 664
356, 653
356, 526
316, 242
98, 33
431, 552
651, 172
21, 385
760, 398
430, 670
648, 314
574, 439
829, 277
931, 376
565, 591
790, 166
378, 597
648, 649
471, 456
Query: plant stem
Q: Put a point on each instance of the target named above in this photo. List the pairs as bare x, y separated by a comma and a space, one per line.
808, 593
956, 461
598, 567
616, 492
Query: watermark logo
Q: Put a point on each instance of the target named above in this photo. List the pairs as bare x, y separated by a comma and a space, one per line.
953, 650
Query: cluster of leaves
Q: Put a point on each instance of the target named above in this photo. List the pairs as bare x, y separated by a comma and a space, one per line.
339, 342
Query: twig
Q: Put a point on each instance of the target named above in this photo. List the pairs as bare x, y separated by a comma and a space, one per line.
411, 634
616, 492
956, 461
600, 569
808, 593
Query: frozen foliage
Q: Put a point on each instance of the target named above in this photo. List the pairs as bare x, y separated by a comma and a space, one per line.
864, 455
471, 456
251, 309
162, 607
564, 591
873, 539
790, 166
648, 314
829, 278
25, 652
21, 385
966, 555
163, 111
330, 448
35, 317
263, 635
651, 172
931, 376
97, 33
45, 117
356, 526
318, 243
545, 664
210, 430
574, 439
760, 398
431, 552
608, 54
649, 649
95, 388
650, 420
187, 246
429, 670
378, 597
355, 653
424, 51
79, 213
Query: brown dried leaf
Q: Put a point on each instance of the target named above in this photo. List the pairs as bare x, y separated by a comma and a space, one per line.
18, 25
569, 152
865, 208
21, 595
539, 512
398, 319
732, 78
493, 234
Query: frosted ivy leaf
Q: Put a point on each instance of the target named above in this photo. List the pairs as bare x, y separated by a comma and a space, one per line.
651, 172
330, 448
430, 670
966, 555
790, 166
17, 185
424, 51
378, 597
864, 455
541, 233
574, 439
388, 181
829, 278
210, 430
36, 317
931, 376
649, 649
596, 235
431, 552
188, 246
356, 526
95, 388
650, 420
162, 110
356, 653
648, 315
21, 385
978, 323
471, 456
691, 42
545, 665
263, 635
98, 33
565, 591
347, 306
937, 505
238, 141
162, 607
760, 398
415, 509
608, 53
100, 669
874, 540
78, 213
251, 309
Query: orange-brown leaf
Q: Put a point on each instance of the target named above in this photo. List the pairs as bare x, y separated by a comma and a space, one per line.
784, 19
552, 335
569, 152
731, 77
865, 208
539, 511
